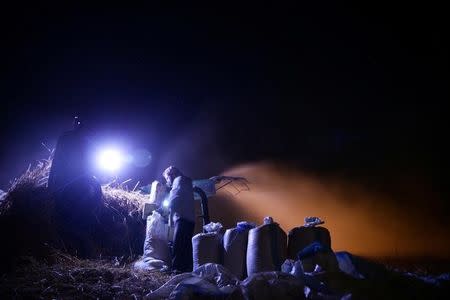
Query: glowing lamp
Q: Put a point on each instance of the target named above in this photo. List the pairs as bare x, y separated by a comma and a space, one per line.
110, 160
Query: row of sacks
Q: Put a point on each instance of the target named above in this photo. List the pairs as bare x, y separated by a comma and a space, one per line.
246, 249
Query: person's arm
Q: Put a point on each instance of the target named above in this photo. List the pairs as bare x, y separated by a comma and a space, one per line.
173, 199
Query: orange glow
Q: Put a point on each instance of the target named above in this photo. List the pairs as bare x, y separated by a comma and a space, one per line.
360, 221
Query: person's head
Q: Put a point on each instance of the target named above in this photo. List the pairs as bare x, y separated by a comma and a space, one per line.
170, 174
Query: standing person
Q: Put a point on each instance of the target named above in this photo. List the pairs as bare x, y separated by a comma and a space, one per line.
76, 192
182, 218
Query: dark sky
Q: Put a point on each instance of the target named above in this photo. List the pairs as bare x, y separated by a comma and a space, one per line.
351, 89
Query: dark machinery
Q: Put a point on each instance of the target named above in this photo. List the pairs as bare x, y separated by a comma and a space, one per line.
203, 204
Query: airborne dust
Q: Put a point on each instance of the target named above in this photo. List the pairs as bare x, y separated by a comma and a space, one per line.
363, 221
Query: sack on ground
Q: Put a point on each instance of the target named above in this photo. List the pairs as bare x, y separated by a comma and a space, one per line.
156, 245
300, 237
266, 250
207, 248
235, 249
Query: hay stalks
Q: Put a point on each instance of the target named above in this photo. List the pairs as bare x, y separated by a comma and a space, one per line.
28, 202
33, 177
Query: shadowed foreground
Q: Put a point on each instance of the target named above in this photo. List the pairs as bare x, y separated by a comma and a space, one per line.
70, 278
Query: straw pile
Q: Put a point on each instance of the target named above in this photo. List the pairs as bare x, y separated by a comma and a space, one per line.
27, 220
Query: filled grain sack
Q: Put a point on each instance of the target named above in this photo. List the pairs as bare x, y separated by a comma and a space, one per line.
312, 245
235, 249
301, 237
207, 247
156, 245
266, 249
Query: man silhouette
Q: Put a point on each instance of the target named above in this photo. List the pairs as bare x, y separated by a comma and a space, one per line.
182, 217
76, 192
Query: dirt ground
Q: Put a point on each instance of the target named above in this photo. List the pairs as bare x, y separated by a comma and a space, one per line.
72, 278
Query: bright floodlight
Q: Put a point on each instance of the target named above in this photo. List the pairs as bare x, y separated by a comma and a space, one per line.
165, 203
110, 160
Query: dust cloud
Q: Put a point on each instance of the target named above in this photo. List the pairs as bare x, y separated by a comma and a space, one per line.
360, 220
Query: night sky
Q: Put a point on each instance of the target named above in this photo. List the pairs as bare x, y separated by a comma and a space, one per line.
350, 90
